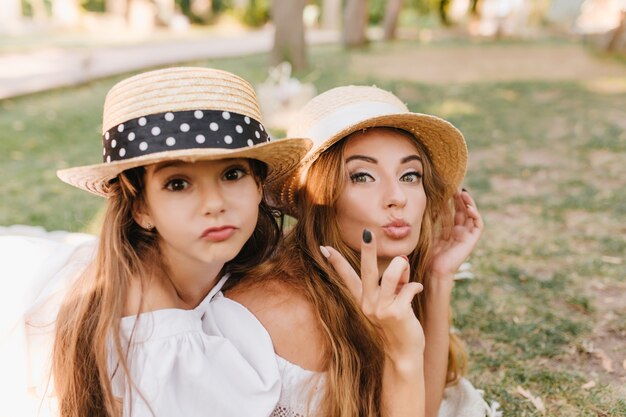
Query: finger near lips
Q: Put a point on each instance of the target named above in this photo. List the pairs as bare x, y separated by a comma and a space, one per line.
408, 292
394, 275
369, 267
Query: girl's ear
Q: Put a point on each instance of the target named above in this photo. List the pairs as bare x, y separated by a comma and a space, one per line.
141, 214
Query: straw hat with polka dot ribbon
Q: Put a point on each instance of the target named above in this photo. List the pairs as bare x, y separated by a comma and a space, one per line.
336, 113
184, 113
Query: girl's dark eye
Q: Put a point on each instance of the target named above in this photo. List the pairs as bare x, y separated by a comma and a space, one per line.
235, 174
411, 177
361, 177
177, 184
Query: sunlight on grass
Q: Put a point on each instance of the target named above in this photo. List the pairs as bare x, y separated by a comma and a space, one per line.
451, 108
606, 86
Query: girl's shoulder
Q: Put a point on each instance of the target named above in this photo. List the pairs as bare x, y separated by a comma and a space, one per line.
151, 297
288, 316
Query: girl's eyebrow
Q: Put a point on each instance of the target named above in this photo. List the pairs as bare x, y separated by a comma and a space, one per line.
166, 165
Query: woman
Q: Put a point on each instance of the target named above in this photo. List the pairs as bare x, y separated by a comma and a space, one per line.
374, 166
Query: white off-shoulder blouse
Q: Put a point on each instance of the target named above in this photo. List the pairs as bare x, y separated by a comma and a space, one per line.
213, 360
216, 359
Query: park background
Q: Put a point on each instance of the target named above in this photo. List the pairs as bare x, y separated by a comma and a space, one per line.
538, 87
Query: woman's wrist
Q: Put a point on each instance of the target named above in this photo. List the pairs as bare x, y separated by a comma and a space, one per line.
406, 367
439, 285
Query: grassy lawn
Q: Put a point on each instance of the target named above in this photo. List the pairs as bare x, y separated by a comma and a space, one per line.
547, 309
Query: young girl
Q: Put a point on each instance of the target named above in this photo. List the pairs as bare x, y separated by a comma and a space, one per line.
377, 190
185, 163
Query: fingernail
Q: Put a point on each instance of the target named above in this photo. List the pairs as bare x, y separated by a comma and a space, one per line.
464, 190
324, 252
406, 258
367, 236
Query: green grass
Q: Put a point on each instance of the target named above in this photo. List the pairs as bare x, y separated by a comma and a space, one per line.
547, 168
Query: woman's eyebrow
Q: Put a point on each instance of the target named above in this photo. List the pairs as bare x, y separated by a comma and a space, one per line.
362, 158
411, 158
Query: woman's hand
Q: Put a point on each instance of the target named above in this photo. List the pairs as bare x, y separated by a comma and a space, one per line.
386, 301
451, 249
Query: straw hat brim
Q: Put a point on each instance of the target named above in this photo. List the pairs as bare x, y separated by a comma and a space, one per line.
281, 157
445, 143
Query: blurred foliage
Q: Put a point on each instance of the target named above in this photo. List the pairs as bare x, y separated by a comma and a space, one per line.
93, 5
419, 7
28, 9
257, 13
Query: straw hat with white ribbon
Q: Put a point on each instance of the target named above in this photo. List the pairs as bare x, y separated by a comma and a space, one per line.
335, 114
187, 114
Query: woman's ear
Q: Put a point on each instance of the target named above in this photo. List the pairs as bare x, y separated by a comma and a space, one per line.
261, 192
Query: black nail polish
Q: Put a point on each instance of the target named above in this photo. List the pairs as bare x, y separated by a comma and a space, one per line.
367, 236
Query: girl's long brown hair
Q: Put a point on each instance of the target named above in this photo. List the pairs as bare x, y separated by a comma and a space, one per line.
88, 324
354, 349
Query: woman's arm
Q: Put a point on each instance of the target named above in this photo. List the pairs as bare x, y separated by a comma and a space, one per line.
449, 252
436, 323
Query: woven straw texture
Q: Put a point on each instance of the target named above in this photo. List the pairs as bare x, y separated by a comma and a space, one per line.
333, 115
183, 89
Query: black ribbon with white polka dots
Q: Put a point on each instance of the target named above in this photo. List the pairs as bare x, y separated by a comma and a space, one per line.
181, 130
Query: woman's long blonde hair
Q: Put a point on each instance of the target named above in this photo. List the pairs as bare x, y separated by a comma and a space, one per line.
88, 324
354, 348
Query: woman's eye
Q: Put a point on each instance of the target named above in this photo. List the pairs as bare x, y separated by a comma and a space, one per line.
361, 177
411, 177
177, 184
235, 174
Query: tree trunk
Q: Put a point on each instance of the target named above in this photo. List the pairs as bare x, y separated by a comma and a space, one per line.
443, 12
355, 23
117, 7
202, 9
11, 16
331, 14
618, 32
289, 42
390, 23
65, 13
40, 13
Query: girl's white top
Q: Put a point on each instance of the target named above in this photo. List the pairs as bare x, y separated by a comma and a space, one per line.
216, 359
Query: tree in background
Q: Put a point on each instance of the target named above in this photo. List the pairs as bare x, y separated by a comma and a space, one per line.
355, 19
331, 14
618, 32
390, 23
289, 42
443, 12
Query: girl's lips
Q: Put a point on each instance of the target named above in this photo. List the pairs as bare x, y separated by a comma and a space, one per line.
218, 234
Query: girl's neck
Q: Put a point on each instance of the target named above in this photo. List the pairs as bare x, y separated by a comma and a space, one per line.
191, 282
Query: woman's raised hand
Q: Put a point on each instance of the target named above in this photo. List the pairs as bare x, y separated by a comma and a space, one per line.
451, 249
387, 300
